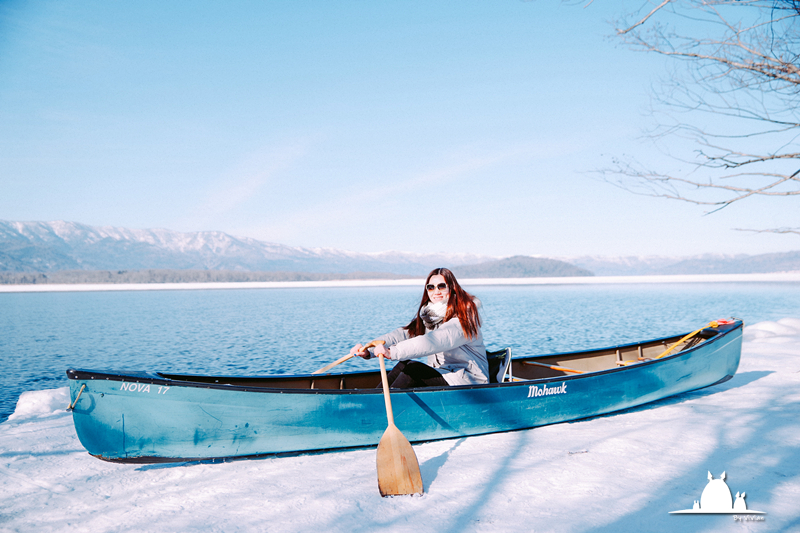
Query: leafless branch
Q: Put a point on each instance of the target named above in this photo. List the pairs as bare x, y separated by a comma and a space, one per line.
742, 64
776, 230
662, 4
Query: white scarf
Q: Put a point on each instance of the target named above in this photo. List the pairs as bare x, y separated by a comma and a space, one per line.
433, 313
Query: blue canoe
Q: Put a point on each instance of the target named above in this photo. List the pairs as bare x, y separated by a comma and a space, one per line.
148, 417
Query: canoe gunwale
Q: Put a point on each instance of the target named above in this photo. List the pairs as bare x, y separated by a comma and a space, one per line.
154, 378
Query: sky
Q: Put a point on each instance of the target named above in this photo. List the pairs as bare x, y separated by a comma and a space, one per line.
457, 127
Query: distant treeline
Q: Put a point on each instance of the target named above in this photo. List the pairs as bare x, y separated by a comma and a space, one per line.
179, 276
521, 266
511, 267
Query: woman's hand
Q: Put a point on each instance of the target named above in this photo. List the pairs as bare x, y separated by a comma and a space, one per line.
380, 349
360, 351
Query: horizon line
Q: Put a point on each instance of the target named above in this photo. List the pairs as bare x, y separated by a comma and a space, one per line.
779, 277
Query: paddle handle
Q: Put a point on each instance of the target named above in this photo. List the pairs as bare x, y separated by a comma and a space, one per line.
386, 398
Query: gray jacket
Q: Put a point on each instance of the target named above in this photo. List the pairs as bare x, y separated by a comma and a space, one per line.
461, 361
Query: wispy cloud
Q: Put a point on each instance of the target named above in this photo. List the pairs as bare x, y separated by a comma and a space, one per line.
243, 182
334, 210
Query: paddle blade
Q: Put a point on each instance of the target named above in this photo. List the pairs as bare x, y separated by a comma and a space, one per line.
398, 469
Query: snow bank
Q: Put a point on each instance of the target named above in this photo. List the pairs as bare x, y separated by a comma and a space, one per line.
38, 404
784, 330
623, 472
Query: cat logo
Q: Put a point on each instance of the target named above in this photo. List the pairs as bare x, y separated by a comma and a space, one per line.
717, 499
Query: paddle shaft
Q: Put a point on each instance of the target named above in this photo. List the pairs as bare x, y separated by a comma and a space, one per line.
345, 358
563, 369
331, 365
687, 337
386, 398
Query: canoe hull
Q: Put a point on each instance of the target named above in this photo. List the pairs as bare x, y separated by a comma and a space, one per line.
141, 418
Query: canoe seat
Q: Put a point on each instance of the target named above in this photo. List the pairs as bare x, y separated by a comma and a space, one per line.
499, 365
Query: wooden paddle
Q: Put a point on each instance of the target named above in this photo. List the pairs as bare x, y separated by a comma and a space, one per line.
345, 358
398, 469
563, 369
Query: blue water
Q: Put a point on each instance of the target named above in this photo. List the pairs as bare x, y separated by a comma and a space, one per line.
279, 331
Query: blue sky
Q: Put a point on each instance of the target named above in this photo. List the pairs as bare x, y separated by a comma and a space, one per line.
367, 126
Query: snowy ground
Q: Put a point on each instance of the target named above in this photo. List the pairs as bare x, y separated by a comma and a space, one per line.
622, 472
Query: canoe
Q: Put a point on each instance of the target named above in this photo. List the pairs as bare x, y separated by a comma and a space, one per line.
147, 417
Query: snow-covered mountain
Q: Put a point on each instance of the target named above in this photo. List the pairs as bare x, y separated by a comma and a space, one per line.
54, 246
58, 246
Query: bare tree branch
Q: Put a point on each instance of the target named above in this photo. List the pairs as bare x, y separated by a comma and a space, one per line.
741, 63
665, 2
776, 230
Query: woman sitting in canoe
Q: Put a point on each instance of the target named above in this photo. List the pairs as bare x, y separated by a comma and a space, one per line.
446, 330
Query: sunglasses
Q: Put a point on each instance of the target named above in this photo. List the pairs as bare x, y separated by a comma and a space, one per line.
441, 286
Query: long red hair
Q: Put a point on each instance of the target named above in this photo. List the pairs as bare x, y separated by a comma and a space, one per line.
460, 304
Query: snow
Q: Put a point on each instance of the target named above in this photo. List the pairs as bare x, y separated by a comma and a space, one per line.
588, 280
34, 404
622, 472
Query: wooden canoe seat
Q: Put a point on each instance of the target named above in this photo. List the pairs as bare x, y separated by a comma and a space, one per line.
499, 365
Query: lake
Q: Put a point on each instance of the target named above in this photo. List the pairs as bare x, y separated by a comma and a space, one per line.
296, 330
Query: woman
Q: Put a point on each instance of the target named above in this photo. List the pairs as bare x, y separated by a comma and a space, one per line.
446, 330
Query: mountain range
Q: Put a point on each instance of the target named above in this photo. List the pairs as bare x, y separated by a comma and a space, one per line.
46, 247
57, 246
